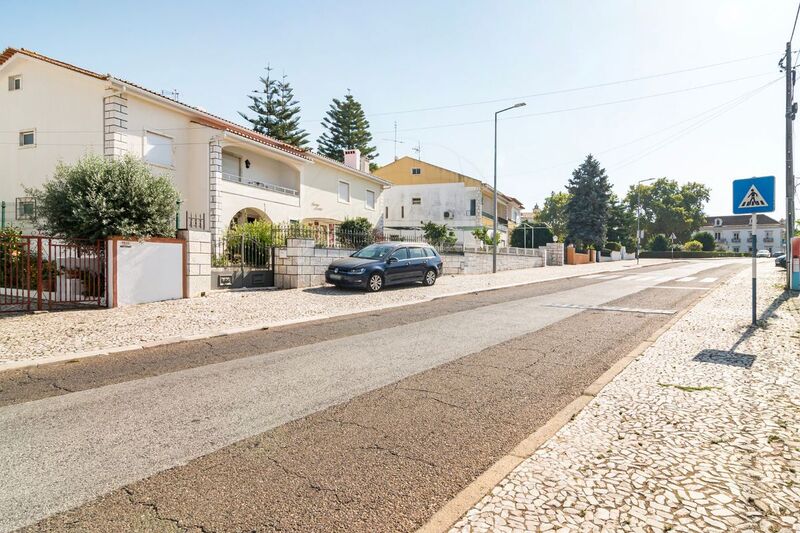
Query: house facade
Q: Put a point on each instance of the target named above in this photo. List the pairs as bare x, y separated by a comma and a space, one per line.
54, 111
423, 192
733, 233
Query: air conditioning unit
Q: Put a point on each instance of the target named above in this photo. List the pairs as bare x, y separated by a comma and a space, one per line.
448, 214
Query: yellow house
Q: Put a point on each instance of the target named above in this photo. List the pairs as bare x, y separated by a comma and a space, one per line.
424, 192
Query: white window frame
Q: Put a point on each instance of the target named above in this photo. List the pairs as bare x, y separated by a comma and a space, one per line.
339, 192
24, 132
416, 171
12, 81
171, 164
367, 192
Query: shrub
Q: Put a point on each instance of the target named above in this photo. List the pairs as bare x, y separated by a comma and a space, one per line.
693, 246
439, 235
707, 240
97, 198
482, 235
613, 246
659, 243
355, 232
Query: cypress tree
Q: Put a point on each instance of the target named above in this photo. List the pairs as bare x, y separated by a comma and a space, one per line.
589, 203
346, 127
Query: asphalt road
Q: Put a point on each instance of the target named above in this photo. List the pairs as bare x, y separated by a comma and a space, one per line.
365, 423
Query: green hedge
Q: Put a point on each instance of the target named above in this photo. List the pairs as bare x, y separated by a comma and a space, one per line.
680, 254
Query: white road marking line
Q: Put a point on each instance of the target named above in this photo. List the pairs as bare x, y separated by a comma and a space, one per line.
592, 276
611, 277
619, 309
683, 288
708, 280
687, 279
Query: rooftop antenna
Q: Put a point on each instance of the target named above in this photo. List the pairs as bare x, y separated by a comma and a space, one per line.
173, 94
418, 149
395, 141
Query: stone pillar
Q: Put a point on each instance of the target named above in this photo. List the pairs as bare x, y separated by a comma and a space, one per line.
215, 223
198, 261
115, 125
555, 254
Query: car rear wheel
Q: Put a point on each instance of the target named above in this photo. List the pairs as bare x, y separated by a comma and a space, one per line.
430, 277
375, 283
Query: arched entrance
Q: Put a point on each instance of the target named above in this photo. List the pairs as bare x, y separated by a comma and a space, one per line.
248, 214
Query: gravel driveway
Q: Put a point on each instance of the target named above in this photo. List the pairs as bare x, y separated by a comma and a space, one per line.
37, 336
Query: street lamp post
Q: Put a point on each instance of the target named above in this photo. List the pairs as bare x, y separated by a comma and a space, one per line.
638, 209
494, 191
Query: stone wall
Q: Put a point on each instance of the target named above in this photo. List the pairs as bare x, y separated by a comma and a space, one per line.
301, 264
555, 254
198, 261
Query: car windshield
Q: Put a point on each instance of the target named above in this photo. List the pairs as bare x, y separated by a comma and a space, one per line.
373, 251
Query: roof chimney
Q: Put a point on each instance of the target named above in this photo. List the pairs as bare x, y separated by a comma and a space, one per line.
352, 158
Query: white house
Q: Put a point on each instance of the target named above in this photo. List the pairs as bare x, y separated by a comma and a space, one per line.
423, 192
733, 233
51, 111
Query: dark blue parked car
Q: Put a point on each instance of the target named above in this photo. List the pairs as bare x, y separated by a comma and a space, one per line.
388, 263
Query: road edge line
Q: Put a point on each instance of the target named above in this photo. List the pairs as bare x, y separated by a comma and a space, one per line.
453, 510
75, 356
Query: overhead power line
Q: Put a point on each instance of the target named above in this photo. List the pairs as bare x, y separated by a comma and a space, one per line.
587, 106
794, 26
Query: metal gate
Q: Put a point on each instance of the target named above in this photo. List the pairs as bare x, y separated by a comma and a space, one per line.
40, 273
242, 262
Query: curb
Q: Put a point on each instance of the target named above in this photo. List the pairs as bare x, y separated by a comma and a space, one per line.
457, 507
72, 357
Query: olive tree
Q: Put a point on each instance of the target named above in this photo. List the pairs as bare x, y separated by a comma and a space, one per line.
98, 198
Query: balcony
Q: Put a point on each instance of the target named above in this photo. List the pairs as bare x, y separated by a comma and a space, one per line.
259, 184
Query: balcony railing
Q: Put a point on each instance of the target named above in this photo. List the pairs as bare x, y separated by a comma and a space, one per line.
255, 182
490, 216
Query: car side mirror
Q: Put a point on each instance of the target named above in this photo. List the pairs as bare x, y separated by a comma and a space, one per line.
391, 260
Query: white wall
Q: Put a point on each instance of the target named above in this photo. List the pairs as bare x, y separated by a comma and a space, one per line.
143, 271
727, 234
66, 110
319, 197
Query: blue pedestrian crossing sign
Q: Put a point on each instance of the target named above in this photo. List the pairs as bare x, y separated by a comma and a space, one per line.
754, 195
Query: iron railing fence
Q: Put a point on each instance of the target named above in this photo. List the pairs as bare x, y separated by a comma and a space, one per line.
44, 273
242, 251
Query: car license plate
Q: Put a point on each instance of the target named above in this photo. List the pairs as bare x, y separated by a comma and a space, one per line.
336, 276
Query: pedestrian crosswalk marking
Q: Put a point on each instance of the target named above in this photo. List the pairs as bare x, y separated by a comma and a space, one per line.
618, 309
687, 279
753, 198
708, 280
592, 276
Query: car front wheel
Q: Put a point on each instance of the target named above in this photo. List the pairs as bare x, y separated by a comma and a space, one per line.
430, 278
375, 283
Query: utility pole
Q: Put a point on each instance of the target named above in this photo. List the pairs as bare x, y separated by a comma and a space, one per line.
790, 112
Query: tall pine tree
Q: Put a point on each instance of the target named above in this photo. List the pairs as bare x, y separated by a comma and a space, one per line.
346, 127
276, 112
589, 204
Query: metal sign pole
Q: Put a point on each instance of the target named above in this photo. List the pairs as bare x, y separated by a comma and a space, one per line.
753, 240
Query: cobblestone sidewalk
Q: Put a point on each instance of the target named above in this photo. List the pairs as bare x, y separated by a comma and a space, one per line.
28, 337
700, 433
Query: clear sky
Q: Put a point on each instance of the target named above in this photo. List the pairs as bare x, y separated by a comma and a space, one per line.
400, 57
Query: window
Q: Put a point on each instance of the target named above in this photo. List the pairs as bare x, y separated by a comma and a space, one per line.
430, 252
344, 192
736, 249
14, 83
369, 199
27, 138
717, 221
416, 253
157, 149
400, 254
416, 171
386, 215
473, 207
416, 201
231, 164
402, 211
735, 235
717, 236
25, 208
